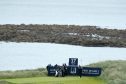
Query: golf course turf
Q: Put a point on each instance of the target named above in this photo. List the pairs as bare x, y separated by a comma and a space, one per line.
56, 80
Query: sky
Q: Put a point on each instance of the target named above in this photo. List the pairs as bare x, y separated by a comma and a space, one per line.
104, 13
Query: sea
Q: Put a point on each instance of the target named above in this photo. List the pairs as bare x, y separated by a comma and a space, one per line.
103, 13
19, 56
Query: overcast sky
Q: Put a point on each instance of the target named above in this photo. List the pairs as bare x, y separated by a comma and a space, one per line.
111, 13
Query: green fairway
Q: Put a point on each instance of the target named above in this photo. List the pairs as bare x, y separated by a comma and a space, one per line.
55, 80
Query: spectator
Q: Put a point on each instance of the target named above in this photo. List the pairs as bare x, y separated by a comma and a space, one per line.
80, 71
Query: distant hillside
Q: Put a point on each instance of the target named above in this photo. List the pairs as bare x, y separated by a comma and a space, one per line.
114, 72
65, 34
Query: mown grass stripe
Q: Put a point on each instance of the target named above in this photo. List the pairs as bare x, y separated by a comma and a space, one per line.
55, 80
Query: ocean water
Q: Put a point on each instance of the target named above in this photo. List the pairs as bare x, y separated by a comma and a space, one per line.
104, 13
16, 56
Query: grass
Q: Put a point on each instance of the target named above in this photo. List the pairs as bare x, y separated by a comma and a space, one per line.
114, 72
23, 73
55, 80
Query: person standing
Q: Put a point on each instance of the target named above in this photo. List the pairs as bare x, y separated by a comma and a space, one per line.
56, 73
62, 70
80, 71
65, 69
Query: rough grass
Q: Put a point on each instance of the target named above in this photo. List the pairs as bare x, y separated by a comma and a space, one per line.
114, 72
5, 82
55, 80
23, 73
